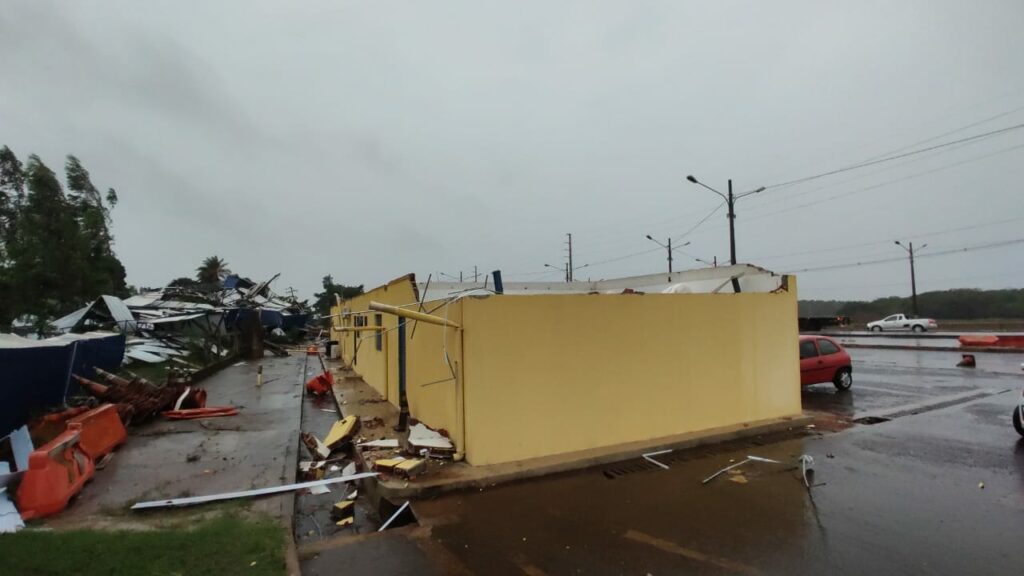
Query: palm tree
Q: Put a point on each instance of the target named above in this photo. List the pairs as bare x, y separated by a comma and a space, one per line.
213, 271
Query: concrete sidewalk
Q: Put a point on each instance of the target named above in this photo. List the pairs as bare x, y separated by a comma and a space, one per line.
169, 459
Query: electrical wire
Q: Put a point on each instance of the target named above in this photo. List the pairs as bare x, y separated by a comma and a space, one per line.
888, 241
865, 164
917, 256
652, 250
886, 183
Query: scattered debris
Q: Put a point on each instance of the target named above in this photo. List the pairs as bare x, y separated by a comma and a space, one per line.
393, 516
194, 413
312, 470
371, 423
342, 510
342, 431
421, 437
247, 493
981, 485
807, 467
382, 444
649, 457
740, 463
316, 448
387, 464
319, 489
410, 468
10, 520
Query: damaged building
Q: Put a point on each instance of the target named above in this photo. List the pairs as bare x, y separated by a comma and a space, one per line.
527, 370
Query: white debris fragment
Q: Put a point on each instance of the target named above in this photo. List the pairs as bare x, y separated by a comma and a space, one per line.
422, 437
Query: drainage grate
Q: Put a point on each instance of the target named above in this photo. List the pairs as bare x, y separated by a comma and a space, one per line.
871, 420
624, 469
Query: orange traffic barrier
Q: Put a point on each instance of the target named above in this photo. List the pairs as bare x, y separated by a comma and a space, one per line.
321, 384
101, 430
56, 473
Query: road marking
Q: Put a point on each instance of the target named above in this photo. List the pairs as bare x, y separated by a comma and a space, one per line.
890, 391
673, 548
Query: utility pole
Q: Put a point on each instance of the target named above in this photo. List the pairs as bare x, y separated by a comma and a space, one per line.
730, 201
570, 259
732, 225
913, 280
291, 293
474, 273
667, 247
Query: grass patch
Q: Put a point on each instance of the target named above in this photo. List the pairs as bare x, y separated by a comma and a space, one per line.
217, 547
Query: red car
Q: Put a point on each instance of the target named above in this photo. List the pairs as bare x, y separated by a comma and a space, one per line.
824, 360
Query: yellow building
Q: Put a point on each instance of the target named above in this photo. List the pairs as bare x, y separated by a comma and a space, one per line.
546, 369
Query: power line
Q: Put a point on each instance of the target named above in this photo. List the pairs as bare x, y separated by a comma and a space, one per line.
886, 183
887, 241
865, 164
684, 235
949, 133
901, 258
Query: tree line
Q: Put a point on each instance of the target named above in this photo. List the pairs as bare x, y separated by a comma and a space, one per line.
957, 304
56, 248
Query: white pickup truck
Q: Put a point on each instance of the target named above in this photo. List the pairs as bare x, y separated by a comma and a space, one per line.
902, 322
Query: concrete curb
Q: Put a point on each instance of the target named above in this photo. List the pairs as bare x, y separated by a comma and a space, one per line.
291, 555
401, 490
938, 348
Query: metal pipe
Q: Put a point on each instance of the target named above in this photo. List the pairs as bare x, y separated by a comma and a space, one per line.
412, 314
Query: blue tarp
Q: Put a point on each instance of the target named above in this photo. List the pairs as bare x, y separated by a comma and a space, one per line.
34, 373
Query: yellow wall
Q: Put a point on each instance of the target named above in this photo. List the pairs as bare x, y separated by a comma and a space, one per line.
379, 368
429, 389
429, 384
554, 374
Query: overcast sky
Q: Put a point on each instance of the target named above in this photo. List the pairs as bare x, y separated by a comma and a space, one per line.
371, 139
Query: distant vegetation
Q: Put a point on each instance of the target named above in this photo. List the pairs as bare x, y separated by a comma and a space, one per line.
326, 299
959, 304
56, 249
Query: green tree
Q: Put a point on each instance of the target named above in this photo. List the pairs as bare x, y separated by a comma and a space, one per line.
12, 196
104, 273
213, 271
326, 299
47, 259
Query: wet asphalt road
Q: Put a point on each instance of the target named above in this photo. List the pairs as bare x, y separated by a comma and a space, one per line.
901, 496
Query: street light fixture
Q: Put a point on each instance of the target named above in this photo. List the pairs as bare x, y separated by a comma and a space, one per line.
669, 248
730, 200
913, 279
563, 269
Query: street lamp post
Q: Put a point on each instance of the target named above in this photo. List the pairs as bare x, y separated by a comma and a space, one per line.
730, 201
913, 280
668, 248
564, 270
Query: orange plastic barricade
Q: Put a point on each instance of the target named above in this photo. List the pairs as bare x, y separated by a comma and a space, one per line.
101, 429
56, 473
321, 384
